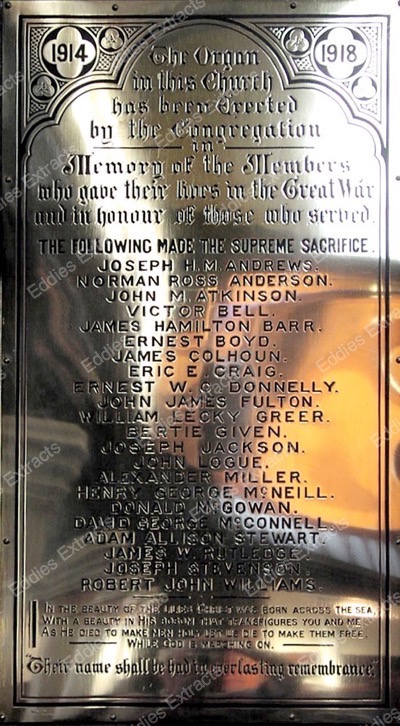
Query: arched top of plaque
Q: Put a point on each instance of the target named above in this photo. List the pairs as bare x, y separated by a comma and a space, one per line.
337, 56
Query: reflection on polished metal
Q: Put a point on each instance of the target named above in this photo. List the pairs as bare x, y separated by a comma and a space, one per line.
200, 364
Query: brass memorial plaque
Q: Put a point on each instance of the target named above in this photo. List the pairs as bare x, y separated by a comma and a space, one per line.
200, 362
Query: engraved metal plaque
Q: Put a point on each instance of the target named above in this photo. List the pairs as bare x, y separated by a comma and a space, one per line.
200, 362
